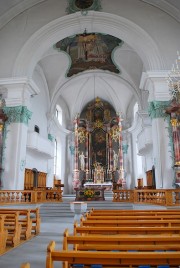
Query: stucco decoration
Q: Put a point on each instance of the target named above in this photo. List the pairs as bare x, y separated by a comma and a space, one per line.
83, 5
157, 109
89, 51
22, 164
18, 114
50, 137
125, 148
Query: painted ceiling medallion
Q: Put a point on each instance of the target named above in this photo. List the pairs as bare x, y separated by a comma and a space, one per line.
90, 51
83, 6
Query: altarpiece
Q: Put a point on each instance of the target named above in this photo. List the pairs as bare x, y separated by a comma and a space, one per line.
98, 156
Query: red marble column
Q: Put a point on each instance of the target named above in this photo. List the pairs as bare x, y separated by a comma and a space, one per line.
76, 181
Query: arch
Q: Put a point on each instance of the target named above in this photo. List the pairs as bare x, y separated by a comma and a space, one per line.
114, 100
71, 24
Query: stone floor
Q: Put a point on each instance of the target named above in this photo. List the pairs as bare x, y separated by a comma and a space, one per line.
34, 250
54, 221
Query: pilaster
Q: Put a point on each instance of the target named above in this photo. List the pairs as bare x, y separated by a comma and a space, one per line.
159, 96
17, 92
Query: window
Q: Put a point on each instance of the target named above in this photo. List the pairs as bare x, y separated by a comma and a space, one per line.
36, 129
59, 114
135, 109
55, 156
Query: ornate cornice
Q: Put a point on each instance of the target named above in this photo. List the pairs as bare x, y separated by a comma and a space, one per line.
18, 114
157, 109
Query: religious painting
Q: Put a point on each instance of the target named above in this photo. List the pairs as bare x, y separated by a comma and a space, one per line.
89, 51
98, 147
98, 115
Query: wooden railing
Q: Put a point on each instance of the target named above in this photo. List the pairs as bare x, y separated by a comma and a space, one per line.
164, 197
27, 196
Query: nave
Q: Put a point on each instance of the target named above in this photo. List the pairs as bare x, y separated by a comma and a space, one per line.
55, 218
34, 250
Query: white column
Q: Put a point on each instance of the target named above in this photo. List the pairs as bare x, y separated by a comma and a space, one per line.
155, 83
17, 109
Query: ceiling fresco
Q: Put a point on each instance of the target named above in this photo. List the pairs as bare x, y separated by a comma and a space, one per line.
89, 51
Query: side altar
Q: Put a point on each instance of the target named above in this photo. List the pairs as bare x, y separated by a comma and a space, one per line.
98, 149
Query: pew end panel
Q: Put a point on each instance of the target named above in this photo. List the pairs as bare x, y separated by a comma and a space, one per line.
25, 265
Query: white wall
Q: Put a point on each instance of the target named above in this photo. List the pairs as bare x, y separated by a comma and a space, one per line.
15, 34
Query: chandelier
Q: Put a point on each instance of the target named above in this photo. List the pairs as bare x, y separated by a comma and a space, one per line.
174, 79
88, 42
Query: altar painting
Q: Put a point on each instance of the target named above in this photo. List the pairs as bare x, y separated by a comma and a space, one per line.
98, 147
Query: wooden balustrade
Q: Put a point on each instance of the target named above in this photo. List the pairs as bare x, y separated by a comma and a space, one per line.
27, 196
163, 197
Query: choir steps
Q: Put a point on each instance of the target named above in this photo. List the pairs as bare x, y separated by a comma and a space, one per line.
62, 209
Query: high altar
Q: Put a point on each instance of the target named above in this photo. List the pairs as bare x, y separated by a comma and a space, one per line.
98, 156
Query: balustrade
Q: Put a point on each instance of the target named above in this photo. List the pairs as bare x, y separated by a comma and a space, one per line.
166, 197
27, 196
169, 197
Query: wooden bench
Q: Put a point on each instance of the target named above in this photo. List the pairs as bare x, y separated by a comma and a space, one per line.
23, 219
34, 217
125, 230
3, 234
128, 223
133, 217
117, 259
36, 220
13, 227
107, 212
25, 265
122, 242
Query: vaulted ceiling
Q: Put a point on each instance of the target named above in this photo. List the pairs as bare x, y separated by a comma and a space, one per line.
120, 90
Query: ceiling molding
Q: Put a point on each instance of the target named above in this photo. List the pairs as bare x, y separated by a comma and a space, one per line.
16, 10
166, 7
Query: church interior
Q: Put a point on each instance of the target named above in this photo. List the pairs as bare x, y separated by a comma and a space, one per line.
89, 111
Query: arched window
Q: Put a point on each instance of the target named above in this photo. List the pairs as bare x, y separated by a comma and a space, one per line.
59, 114
135, 109
36, 129
55, 157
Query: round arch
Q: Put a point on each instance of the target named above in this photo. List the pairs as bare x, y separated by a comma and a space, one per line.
114, 100
75, 23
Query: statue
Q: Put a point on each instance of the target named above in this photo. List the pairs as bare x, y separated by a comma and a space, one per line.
115, 159
82, 160
98, 173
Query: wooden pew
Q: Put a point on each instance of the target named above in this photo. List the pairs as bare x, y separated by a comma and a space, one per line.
133, 217
23, 219
125, 230
109, 212
3, 234
13, 227
34, 217
25, 265
36, 220
117, 259
122, 242
128, 223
